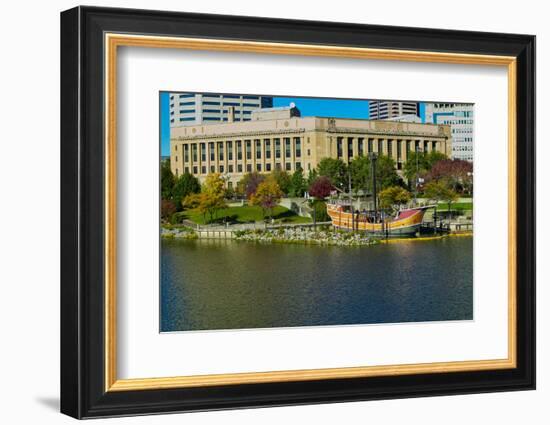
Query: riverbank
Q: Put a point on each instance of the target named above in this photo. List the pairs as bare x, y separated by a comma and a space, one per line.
300, 235
323, 235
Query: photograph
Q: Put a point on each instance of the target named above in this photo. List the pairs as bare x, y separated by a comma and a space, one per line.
292, 211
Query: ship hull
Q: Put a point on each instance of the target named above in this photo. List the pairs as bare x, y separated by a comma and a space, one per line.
407, 222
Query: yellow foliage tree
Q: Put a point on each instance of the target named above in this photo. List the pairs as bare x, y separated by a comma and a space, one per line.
267, 196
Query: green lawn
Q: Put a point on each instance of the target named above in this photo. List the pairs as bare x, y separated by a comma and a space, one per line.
246, 214
459, 206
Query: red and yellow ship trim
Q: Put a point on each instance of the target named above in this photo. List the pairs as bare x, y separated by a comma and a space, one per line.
405, 223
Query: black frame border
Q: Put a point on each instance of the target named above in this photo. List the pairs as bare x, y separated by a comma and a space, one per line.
82, 212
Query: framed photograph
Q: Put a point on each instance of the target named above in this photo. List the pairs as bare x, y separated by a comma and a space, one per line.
261, 212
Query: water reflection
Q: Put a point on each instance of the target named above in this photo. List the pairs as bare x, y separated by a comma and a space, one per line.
209, 284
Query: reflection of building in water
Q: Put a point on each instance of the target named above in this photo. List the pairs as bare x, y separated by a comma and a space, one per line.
280, 139
460, 116
207, 108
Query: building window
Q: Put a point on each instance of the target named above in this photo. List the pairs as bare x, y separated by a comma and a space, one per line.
277, 148
186, 153
369, 145
268, 167
360, 146
176, 158
309, 152
339, 147
220, 151
230, 151
212, 152
239, 150
186, 169
239, 168
287, 147
258, 144
230, 168
298, 166
434, 145
203, 152
390, 147
258, 167
248, 149
278, 166
399, 149
194, 149
380, 148
221, 169
350, 147
195, 170
212, 169
248, 168
267, 144
287, 166
298, 147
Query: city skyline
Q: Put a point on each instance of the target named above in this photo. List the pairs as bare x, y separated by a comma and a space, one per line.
323, 107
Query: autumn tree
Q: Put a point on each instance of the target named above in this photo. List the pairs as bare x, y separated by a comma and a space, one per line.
167, 209
267, 196
249, 183
455, 173
212, 197
321, 187
393, 197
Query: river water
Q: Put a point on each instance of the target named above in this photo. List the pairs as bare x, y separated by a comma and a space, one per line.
209, 285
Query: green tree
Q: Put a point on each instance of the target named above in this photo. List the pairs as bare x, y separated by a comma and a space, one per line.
440, 192
297, 183
386, 175
213, 196
167, 180
361, 174
267, 195
335, 170
184, 185
283, 179
393, 197
420, 168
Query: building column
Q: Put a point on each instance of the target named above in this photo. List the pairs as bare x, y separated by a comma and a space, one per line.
355, 143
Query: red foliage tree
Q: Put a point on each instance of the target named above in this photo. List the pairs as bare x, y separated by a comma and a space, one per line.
455, 173
321, 187
167, 208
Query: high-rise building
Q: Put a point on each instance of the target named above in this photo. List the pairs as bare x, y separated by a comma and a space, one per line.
460, 116
206, 108
382, 110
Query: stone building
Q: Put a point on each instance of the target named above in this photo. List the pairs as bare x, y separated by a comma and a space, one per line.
279, 139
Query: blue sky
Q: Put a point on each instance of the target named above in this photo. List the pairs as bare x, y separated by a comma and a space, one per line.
338, 108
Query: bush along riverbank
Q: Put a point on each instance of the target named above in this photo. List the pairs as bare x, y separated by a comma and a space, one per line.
297, 235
